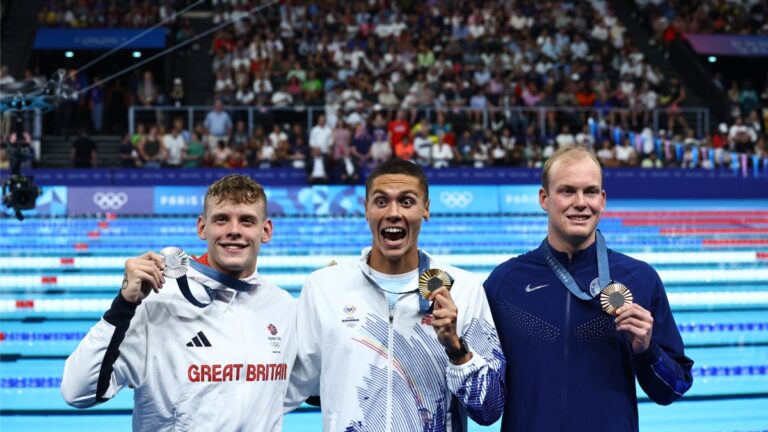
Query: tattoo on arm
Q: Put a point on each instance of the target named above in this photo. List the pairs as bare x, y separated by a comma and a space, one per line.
125, 282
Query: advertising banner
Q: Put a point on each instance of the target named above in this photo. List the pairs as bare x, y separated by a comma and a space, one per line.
463, 199
118, 200
519, 199
97, 39
179, 199
729, 44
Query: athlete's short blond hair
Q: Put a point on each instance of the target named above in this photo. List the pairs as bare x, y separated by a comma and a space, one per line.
237, 188
568, 154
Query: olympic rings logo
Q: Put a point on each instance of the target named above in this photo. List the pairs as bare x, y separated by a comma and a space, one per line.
457, 199
110, 200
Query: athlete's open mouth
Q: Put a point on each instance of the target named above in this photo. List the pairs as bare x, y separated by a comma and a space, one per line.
393, 233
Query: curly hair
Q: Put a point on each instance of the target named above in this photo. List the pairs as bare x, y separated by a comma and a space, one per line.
237, 188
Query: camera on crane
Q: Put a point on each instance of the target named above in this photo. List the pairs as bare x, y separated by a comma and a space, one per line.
19, 191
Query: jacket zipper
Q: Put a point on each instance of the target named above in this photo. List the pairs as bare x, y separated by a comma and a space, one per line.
243, 343
390, 369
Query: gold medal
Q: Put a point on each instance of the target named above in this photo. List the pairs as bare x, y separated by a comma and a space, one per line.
431, 280
615, 296
176, 262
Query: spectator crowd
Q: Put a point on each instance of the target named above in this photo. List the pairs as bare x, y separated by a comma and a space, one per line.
442, 83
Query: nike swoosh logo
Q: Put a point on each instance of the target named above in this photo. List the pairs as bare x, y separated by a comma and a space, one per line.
529, 288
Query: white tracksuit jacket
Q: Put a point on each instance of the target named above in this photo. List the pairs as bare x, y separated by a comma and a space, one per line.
376, 372
220, 368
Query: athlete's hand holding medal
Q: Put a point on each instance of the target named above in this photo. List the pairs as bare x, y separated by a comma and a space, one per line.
148, 272
632, 318
637, 323
435, 285
142, 275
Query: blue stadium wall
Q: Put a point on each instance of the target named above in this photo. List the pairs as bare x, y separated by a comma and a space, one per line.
452, 191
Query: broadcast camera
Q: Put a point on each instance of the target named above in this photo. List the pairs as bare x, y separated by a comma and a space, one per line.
19, 191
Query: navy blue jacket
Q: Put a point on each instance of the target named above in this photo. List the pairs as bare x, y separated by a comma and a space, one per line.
568, 369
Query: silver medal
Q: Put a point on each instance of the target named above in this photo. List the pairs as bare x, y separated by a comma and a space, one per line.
176, 262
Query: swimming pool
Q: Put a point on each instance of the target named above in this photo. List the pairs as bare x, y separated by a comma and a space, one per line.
57, 276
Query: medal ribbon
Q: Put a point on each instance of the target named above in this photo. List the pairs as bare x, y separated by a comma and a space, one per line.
424, 306
214, 274
603, 272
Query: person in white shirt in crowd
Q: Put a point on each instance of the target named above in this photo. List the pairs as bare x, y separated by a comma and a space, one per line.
277, 135
267, 154
579, 48
321, 136
5, 76
175, 148
381, 149
244, 95
224, 87
442, 153
584, 138
479, 153
281, 98
318, 168
607, 154
262, 83
422, 145
741, 137
565, 138
625, 153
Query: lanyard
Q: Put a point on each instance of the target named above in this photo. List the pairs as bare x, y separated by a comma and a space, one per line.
214, 274
604, 274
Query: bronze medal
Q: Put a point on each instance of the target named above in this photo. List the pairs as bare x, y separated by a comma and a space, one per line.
431, 280
615, 296
176, 262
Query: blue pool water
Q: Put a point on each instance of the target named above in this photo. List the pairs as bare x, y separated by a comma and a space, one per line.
57, 276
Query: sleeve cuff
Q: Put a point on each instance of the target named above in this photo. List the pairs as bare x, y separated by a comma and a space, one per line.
648, 358
476, 362
120, 312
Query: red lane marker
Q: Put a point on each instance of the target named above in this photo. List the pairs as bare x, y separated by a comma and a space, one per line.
693, 221
81, 246
693, 231
25, 304
111, 216
683, 213
103, 224
66, 261
2, 336
734, 242
49, 279
93, 234
762, 255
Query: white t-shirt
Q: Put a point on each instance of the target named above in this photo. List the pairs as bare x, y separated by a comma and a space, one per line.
318, 168
321, 137
623, 153
174, 145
